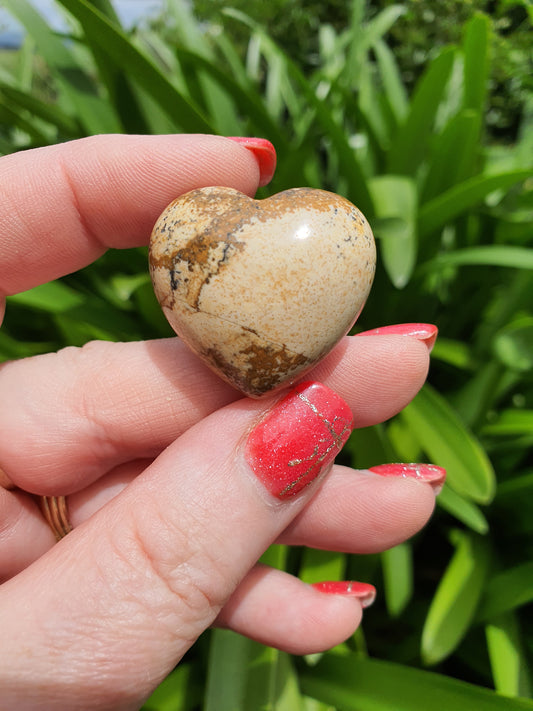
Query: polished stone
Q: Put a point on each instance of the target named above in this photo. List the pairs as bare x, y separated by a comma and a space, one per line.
261, 290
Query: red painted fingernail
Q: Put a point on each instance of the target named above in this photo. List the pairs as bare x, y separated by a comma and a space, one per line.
298, 438
428, 473
364, 592
265, 155
425, 332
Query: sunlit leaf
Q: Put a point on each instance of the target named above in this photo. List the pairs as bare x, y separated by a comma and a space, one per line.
489, 255
243, 675
353, 683
463, 510
395, 203
176, 693
397, 565
138, 65
453, 155
76, 84
434, 214
507, 656
319, 566
448, 443
410, 144
509, 423
457, 596
513, 345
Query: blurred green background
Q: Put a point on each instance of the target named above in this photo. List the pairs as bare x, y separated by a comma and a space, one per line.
421, 113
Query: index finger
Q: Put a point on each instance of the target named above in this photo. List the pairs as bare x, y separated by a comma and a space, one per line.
62, 206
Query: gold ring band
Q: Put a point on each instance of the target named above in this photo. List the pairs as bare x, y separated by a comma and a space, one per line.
55, 511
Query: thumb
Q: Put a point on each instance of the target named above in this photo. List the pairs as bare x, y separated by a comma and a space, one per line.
112, 608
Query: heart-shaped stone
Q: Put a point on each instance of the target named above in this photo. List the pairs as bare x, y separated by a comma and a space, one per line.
261, 290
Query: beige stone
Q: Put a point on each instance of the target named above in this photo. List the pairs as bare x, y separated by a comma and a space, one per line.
261, 290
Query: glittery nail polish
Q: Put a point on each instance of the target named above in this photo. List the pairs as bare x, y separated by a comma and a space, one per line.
297, 440
428, 473
364, 592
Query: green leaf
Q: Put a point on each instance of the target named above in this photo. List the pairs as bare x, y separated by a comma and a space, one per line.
476, 62
318, 566
448, 443
409, 146
138, 66
368, 446
436, 213
350, 166
507, 657
454, 605
495, 255
463, 510
243, 675
47, 112
176, 693
75, 83
453, 352
10, 348
395, 203
507, 591
353, 683
245, 97
393, 85
54, 297
397, 565
510, 423
379, 25
514, 344
453, 155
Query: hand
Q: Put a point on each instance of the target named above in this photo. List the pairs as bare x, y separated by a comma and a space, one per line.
166, 468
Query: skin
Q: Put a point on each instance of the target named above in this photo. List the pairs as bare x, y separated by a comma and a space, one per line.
147, 443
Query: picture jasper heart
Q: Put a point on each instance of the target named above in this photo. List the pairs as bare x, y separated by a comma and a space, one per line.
261, 290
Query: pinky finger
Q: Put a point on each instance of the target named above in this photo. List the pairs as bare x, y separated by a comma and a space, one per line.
276, 609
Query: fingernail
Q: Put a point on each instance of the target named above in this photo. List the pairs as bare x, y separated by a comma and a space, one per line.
264, 153
298, 438
364, 592
425, 332
428, 473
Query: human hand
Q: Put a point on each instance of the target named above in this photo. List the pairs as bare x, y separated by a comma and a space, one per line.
165, 466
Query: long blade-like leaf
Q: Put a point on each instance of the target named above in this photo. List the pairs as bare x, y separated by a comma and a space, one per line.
436, 213
395, 200
137, 65
454, 605
496, 255
448, 443
351, 169
244, 675
353, 683
476, 62
75, 83
410, 144
508, 659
